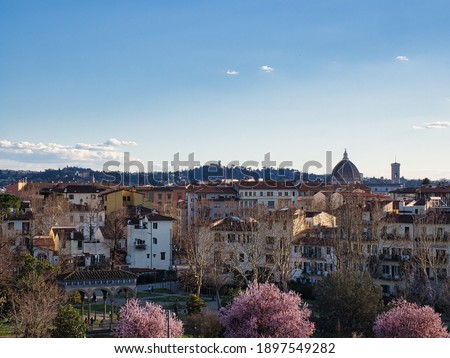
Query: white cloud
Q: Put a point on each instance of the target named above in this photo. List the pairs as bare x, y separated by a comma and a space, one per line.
48, 153
434, 125
402, 58
116, 142
267, 69
232, 72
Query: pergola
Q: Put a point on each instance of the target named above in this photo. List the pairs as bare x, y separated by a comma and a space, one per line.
109, 282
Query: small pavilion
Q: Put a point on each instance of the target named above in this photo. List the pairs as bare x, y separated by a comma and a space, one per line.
110, 283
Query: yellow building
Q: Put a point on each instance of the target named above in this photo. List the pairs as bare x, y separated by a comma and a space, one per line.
120, 198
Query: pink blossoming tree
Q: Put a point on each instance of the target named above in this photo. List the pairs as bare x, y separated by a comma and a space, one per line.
408, 320
263, 311
146, 321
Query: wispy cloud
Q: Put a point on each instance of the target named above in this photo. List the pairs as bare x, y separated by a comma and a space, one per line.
266, 68
433, 125
232, 72
117, 143
402, 58
79, 154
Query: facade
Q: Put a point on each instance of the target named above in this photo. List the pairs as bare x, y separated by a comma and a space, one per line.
162, 198
121, 198
271, 194
313, 254
206, 203
149, 242
413, 244
78, 194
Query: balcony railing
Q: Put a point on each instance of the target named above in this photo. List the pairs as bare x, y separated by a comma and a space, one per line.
140, 246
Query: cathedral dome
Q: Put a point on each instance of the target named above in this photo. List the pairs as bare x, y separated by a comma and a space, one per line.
345, 172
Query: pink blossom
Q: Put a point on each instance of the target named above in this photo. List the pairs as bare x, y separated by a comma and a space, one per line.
263, 311
408, 320
146, 321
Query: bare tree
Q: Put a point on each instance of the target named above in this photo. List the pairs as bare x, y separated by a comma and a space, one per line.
429, 281
115, 231
199, 247
35, 301
49, 212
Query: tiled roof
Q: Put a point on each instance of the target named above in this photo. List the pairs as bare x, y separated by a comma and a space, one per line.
211, 189
97, 275
234, 223
265, 185
43, 242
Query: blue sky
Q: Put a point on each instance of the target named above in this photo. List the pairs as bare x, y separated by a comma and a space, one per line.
81, 82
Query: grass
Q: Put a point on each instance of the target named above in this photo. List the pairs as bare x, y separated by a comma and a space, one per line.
168, 299
6, 329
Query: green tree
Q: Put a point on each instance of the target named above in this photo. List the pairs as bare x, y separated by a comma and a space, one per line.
7, 202
68, 323
205, 324
348, 303
195, 304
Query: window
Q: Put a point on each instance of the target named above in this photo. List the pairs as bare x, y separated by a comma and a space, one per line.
163, 256
139, 242
169, 196
25, 228
271, 204
80, 245
155, 225
10, 226
148, 256
407, 232
155, 240
71, 196
241, 257
261, 193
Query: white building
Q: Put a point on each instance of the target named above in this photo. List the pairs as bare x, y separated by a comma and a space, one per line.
149, 242
272, 194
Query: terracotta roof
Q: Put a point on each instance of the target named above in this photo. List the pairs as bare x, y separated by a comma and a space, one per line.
44, 242
211, 189
266, 185
234, 223
97, 275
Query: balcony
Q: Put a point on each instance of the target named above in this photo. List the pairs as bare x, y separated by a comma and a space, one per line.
140, 246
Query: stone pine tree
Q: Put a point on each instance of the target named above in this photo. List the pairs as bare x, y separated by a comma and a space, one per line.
146, 321
409, 320
68, 323
264, 311
348, 303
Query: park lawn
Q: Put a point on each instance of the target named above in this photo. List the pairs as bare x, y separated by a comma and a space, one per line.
168, 299
6, 329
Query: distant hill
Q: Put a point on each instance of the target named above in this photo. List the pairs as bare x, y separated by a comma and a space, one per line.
204, 173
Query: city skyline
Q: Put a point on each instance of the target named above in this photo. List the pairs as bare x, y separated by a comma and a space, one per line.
84, 82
